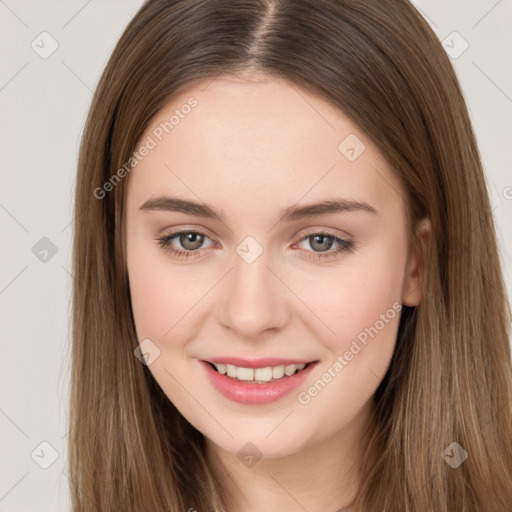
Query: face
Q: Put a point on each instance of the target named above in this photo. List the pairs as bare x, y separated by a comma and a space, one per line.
227, 263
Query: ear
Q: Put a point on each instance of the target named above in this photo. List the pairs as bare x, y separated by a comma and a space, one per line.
412, 288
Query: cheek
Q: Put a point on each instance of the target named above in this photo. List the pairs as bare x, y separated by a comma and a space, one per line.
161, 294
352, 299
360, 304
163, 300
363, 311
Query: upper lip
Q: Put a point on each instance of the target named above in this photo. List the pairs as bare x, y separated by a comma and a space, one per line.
263, 362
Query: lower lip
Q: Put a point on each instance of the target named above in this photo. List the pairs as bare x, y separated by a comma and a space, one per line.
246, 392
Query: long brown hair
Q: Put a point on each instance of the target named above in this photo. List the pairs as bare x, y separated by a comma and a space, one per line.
450, 379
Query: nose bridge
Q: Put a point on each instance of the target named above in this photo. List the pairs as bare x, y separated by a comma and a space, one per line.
253, 300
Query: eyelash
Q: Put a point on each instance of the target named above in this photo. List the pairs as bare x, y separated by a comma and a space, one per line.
344, 246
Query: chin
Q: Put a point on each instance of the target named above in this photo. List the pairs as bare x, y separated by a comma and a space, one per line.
246, 445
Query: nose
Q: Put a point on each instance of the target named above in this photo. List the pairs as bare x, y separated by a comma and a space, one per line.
253, 299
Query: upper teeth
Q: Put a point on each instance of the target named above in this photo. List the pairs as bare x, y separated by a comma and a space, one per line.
258, 374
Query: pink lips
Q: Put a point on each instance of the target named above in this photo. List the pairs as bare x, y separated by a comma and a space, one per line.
246, 392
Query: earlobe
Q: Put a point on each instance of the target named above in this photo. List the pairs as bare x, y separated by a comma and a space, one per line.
412, 289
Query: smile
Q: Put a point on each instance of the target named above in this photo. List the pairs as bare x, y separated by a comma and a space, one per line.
261, 384
259, 375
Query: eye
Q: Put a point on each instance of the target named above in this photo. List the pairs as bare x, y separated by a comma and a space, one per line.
190, 241
321, 243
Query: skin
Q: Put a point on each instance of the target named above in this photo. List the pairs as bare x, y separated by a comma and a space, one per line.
252, 146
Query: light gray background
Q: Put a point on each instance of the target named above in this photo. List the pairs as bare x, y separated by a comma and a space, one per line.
44, 102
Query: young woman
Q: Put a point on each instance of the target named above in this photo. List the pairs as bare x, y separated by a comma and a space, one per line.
287, 290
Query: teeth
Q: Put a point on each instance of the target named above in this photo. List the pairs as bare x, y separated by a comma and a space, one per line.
278, 372
258, 374
290, 370
221, 368
264, 374
245, 373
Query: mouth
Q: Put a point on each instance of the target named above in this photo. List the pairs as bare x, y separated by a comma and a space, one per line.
261, 384
259, 375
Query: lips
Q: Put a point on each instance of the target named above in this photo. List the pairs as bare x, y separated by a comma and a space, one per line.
254, 392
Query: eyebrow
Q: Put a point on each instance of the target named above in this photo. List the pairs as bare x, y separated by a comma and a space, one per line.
290, 214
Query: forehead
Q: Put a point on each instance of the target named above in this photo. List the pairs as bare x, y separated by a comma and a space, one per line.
259, 141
